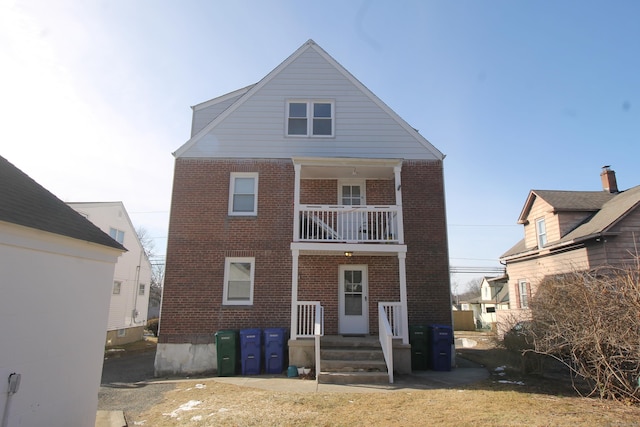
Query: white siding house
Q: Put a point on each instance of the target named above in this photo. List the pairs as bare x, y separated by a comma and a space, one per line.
56, 276
132, 277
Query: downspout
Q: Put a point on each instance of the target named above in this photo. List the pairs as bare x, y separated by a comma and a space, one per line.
136, 290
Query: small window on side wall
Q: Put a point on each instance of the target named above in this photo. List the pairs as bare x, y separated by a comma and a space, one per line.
243, 194
541, 232
117, 287
523, 293
238, 281
117, 235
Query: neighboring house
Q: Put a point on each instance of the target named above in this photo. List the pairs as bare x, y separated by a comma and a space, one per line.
568, 231
56, 273
494, 296
300, 195
132, 277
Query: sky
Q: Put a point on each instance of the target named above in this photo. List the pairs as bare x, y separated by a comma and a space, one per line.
95, 96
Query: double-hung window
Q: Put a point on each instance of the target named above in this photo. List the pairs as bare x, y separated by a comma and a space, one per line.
243, 193
523, 293
117, 235
312, 118
238, 281
541, 232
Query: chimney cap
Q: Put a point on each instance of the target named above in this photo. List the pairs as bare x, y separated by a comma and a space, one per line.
606, 167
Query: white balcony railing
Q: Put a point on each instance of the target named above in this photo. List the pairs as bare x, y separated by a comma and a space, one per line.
352, 224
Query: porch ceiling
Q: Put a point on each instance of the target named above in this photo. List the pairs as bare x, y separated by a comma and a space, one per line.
345, 168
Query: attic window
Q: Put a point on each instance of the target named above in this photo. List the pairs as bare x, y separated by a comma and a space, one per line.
311, 118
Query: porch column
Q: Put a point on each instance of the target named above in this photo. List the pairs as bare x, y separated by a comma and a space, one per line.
295, 253
396, 171
402, 270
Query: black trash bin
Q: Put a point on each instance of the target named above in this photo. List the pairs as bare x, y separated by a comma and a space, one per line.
227, 352
419, 340
250, 351
441, 337
275, 344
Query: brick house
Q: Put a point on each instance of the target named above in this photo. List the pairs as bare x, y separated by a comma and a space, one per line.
302, 199
567, 231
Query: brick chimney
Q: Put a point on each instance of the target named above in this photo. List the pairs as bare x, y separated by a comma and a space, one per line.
608, 177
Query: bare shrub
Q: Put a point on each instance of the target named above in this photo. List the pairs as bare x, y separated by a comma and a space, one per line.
590, 321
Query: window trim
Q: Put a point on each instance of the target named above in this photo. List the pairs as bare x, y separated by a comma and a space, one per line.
227, 265
118, 287
362, 183
310, 117
142, 287
541, 237
523, 285
232, 183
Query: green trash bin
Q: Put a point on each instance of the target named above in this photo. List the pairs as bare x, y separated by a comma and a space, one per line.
227, 352
419, 340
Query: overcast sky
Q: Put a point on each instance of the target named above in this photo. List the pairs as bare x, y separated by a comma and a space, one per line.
520, 95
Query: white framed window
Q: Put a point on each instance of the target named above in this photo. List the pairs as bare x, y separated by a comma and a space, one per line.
117, 286
351, 192
523, 293
243, 193
541, 232
312, 118
141, 288
117, 235
238, 281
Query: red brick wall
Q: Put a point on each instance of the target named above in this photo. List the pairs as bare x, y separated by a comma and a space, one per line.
428, 286
201, 235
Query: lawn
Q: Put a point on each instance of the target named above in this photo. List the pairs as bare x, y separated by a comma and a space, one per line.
505, 398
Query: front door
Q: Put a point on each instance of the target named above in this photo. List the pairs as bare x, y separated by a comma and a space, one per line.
353, 306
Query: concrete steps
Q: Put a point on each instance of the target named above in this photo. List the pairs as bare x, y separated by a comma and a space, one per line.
352, 360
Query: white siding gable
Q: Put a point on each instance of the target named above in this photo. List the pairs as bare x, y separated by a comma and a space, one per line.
254, 126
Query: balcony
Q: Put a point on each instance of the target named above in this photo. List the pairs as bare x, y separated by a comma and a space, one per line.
349, 224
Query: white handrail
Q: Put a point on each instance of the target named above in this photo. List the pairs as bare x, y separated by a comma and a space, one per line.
393, 314
318, 332
386, 339
308, 314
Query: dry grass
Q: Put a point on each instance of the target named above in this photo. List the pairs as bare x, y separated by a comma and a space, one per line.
539, 402
217, 404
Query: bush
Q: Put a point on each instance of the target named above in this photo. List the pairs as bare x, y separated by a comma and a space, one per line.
152, 325
590, 321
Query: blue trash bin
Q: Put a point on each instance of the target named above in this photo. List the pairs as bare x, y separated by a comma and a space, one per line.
250, 354
275, 344
440, 337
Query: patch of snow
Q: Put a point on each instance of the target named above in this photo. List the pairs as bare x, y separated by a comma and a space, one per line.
139, 423
201, 386
222, 410
196, 418
189, 406
500, 368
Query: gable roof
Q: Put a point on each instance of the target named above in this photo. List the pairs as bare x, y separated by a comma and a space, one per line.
249, 91
613, 208
27, 203
567, 201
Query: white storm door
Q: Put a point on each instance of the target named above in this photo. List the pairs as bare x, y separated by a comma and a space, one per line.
353, 300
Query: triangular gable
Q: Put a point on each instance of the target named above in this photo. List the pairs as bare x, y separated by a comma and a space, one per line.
310, 44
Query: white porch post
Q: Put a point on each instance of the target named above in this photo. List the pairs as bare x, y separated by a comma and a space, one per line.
402, 270
396, 171
295, 253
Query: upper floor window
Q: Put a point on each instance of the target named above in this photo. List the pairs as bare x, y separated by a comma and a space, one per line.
243, 193
116, 287
541, 230
310, 118
238, 281
117, 235
141, 288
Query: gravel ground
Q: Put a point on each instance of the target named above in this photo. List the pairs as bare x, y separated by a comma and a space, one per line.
125, 385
